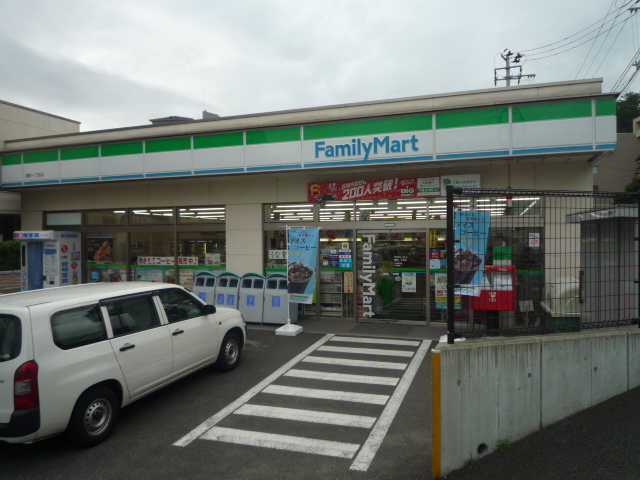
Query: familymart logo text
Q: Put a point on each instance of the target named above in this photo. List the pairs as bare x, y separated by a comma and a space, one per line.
379, 145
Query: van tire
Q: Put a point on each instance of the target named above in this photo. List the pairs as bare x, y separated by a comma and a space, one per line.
229, 354
93, 417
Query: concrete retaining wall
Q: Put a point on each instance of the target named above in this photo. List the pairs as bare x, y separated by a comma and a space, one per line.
502, 389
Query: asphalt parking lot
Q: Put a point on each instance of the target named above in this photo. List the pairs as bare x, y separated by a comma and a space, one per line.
312, 406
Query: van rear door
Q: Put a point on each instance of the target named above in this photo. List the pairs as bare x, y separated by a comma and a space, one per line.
15, 350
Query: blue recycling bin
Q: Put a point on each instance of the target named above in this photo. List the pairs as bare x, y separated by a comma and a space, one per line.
227, 290
276, 301
204, 286
251, 297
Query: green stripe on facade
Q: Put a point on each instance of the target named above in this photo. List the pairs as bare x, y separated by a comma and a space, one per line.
368, 127
551, 111
472, 118
79, 152
42, 156
275, 135
167, 144
11, 159
605, 106
112, 149
220, 140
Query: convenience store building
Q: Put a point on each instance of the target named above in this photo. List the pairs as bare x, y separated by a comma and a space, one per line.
163, 201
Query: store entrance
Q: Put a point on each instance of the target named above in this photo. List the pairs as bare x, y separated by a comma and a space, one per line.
392, 276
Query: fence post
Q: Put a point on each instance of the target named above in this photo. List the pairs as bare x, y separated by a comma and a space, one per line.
450, 267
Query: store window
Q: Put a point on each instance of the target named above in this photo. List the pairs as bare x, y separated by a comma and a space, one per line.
152, 216
106, 217
196, 215
152, 257
299, 212
63, 219
275, 255
198, 251
106, 256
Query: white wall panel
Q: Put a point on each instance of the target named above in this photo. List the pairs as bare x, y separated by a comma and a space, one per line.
218, 158
121, 165
173, 161
553, 133
472, 139
12, 173
80, 168
606, 129
269, 154
41, 171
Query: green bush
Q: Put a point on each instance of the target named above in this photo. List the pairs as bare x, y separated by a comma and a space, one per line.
10, 255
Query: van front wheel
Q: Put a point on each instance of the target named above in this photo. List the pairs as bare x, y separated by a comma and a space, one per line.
93, 417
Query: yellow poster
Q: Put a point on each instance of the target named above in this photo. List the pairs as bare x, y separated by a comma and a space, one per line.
348, 282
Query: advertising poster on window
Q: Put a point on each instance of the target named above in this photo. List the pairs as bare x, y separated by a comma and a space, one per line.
470, 230
408, 282
302, 253
100, 249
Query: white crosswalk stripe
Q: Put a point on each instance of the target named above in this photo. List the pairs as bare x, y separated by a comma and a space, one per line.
319, 386
343, 377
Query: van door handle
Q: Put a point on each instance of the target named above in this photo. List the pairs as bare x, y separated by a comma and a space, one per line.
127, 346
177, 332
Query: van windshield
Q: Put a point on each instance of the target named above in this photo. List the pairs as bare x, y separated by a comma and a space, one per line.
10, 337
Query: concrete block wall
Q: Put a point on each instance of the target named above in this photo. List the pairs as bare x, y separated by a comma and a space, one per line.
502, 389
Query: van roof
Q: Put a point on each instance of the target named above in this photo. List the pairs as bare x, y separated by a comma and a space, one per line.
78, 292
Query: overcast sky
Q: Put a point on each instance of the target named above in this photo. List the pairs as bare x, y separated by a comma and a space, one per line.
119, 63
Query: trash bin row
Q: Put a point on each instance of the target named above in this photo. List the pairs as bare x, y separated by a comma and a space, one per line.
260, 299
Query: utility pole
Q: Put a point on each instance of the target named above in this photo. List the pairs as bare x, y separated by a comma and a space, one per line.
506, 56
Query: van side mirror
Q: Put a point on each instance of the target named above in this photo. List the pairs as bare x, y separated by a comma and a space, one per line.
209, 309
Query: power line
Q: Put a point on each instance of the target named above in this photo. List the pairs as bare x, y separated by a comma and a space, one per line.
591, 47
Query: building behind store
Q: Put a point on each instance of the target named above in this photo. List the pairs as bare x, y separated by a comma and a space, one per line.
162, 202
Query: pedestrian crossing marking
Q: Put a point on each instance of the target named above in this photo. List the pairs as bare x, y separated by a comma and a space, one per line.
367, 351
370, 398
355, 363
342, 377
282, 442
379, 341
312, 416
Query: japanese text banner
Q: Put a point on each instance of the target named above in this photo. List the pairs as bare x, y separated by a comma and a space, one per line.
302, 253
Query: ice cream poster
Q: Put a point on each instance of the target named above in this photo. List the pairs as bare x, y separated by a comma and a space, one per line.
470, 230
302, 253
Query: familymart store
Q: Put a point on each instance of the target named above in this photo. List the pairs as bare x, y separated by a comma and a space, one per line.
163, 202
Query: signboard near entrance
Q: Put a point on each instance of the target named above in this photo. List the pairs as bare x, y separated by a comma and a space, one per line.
373, 189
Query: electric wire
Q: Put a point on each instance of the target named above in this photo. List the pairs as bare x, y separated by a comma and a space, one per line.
606, 54
613, 2
603, 19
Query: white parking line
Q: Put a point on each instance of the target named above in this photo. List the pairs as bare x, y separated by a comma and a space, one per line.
379, 341
355, 397
282, 442
371, 446
312, 416
342, 377
356, 363
367, 351
229, 409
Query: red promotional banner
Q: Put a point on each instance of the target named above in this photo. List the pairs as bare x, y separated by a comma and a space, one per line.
371, 189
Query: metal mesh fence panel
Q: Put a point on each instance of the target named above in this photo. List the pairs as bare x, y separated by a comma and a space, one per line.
525, 262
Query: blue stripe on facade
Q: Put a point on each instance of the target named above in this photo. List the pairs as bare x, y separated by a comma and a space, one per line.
88, 179
365, 162
275, 167
219, 170
166, 174
40, 182
121, 177
553, 149
606, 145
11, 184
473, 154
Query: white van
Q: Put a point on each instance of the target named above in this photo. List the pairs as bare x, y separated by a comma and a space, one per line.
71, 357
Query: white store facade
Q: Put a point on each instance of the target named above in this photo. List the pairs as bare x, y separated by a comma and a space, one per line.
162, 202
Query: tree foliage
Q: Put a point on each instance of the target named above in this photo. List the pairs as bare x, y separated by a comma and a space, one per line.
10, 255
627, 108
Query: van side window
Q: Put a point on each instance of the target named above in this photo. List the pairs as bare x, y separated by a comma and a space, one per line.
77, 327
132, 314
10, 337
179, 305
